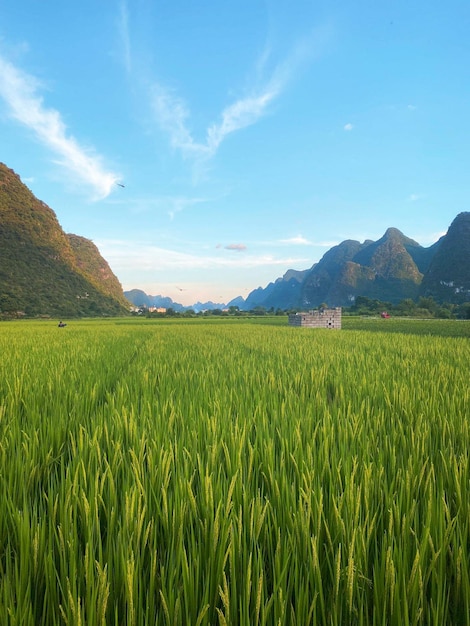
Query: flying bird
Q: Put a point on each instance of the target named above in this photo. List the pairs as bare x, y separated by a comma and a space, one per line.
120, 185
180, 288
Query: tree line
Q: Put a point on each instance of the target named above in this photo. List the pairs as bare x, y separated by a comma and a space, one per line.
423, 307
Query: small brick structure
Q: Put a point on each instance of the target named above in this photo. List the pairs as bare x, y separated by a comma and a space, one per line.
321, 318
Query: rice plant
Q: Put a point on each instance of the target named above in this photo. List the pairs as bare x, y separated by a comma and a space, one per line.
199, 473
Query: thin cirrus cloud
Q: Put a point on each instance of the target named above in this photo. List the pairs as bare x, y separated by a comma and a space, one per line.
20, 90
299, 240
171, 205
348, 127
123, 31
172, 113
128, 255
180, 203
240, 114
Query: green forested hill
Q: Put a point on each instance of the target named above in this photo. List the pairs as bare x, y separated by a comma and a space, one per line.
91, 263
42, 270
391, 269
448, 277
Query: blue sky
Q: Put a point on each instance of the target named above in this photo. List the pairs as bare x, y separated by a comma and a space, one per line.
251, 136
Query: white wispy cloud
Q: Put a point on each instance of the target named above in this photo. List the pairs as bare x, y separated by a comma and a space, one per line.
134, 255
414, 197
240, 114
263, 60
348, 126
299, 240
154, 204
172, 113
123, 30
176, 204
20, 91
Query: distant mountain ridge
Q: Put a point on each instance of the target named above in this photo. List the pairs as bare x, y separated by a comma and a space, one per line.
284, 289
140, 299
44, 271
390, 269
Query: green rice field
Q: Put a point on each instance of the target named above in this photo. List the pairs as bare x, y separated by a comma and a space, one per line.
234, 472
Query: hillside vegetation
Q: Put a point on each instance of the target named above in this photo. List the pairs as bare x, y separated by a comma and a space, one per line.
43, 271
